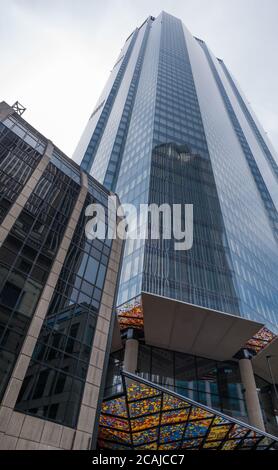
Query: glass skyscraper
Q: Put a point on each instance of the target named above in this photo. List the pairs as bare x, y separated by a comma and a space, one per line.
172, 126
148, 347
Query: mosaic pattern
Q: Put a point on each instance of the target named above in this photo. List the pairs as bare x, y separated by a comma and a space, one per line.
130, 315
148, 417
260, 340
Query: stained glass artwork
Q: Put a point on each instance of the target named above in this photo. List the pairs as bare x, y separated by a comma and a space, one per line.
145, 422
220, 420
130, 315
217, 432
175, 416
168, 446
116, 407
151, 446
171, 433
191, 443
172, 403
114, 435
199, 413
231, 445
145, 436
212, 445
112, 421
147, 417
139, 391
143, 407
260, 340
198, 429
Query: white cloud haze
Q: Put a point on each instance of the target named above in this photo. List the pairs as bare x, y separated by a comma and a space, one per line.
56, 55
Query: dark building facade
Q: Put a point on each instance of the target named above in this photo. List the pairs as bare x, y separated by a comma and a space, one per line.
56, 293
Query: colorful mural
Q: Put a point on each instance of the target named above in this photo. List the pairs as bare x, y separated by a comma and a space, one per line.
148, 417
260, 340
130, 315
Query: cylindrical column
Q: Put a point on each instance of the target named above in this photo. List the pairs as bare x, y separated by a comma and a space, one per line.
131, 355
251, 395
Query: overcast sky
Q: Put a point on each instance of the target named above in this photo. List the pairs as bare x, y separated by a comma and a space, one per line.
57, 54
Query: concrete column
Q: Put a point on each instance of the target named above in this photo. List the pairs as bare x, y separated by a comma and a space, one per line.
251, 395
131, 355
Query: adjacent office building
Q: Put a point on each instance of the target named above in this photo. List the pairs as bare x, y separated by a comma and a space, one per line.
190, 361
56, 293
172, 126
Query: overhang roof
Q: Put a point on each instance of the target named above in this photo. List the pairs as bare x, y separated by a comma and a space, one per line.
192, 329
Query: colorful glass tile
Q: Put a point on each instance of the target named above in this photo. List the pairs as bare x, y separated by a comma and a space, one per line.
130, 315
191, 443
145, 422
260, 340
145, 436
168, 446
171, 433
220, 420
143, 407
151, 446
217, 432
114, 422
230, 445
114, 435
237, 431
196, 429
176, 416
170, 402
116, 407
136, 391
212, 445
199, 413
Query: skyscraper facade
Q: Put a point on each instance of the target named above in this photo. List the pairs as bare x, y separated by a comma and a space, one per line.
172, 126
148, 347
168, 97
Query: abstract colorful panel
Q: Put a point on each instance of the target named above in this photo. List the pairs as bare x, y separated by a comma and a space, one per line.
145, 436
230, 445
130, 315
159, 420
151, 446
145, 422
191, 443
176, 416
217, 432
199, 413
196, 429
171, 433
114, 422
137, 391
238, 431
171, 403
260, 340
143, 407
116, 407
114, 435
212, 445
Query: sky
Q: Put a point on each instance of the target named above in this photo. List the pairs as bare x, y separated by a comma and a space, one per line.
56, 55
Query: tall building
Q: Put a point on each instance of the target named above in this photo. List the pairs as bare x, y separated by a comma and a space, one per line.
172, 126
159, 348
56, 293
